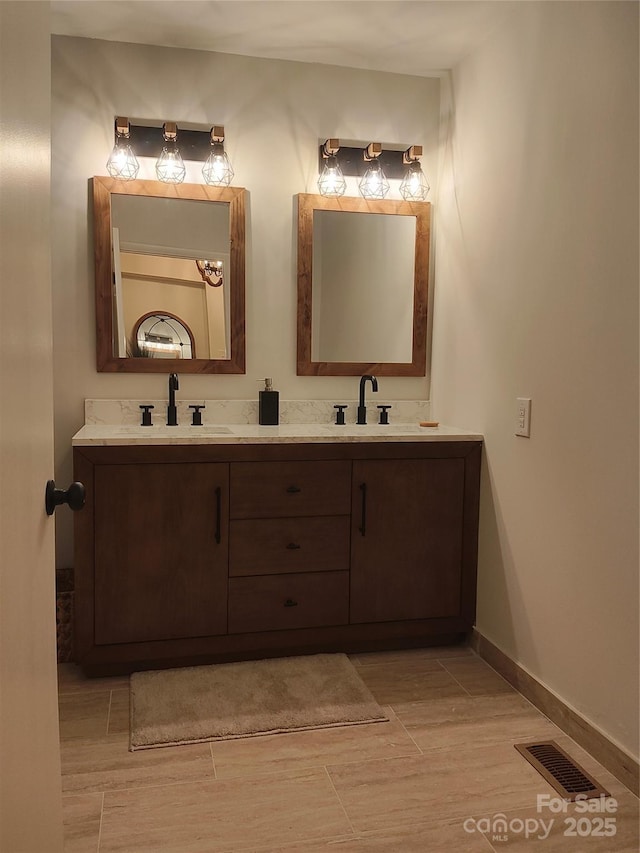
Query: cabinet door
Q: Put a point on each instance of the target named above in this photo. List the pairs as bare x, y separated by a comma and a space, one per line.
161, 551
406, 539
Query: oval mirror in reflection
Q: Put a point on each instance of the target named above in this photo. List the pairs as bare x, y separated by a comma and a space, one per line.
161, 335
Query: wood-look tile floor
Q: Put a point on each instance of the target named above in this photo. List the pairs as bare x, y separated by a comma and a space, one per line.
441, 776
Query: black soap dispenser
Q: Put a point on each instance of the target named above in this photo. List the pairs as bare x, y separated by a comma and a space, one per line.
268, 405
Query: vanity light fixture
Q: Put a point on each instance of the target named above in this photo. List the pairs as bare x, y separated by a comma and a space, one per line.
414, 186
123, 163
374, 183
170, 168
374, 171
217, 171
211, 272
331, 182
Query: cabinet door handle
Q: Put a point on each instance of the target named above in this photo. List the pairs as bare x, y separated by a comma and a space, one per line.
293, 490
218, 514
363, 511
290, 603
293, 546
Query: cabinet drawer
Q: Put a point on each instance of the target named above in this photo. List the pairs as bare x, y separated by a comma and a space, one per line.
270, 546
284, 489
276, 602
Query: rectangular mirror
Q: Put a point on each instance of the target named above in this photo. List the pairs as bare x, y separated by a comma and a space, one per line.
363, 269
170, 282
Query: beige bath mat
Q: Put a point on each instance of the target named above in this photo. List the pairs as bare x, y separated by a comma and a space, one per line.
234, 700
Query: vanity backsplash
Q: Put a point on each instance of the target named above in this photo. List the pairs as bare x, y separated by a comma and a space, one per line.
127, 412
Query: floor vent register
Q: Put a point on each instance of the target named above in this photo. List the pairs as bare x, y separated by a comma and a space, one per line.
560, 770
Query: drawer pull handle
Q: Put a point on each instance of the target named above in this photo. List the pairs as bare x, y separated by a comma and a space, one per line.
363, 511
218, 532
293, 490
292, 546
290, 603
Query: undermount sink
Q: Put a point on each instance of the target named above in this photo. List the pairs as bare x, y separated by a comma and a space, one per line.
207, 430
187, 429
181, 430
376, 429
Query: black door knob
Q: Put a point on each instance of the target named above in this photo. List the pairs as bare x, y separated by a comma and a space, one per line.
74, 496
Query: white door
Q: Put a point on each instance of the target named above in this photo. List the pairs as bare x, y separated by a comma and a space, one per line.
30, 801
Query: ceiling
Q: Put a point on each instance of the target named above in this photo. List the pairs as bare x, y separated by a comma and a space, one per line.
418, 37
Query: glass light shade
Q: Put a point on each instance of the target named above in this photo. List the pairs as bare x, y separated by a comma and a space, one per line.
218, 171
374, 183
331, 182
170, 168
123, 163
414, 186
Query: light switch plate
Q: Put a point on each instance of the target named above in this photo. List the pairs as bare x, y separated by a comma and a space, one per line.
523, 416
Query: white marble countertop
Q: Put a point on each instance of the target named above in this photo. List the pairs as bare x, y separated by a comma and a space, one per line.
128, 434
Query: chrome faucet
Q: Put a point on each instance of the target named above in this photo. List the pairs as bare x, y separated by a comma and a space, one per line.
172, 411
362, 409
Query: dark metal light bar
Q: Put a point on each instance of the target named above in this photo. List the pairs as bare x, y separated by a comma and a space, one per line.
148, 142
352, 162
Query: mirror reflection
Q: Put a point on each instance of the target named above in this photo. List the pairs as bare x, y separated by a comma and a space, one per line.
168, 257
163, 336
174, 253
363, 270
362, 284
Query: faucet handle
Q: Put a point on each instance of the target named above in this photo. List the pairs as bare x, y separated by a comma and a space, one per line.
146, 415
196, 418
384, 414
340, 414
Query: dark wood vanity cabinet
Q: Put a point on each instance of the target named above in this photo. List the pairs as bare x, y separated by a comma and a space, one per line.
187, 554
407, 539
289, 556
161, 551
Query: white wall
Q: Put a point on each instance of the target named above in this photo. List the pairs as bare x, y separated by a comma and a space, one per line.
537, 296
274, 113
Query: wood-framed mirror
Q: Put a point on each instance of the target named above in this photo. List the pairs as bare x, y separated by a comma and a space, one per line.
363, 281
175, 250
